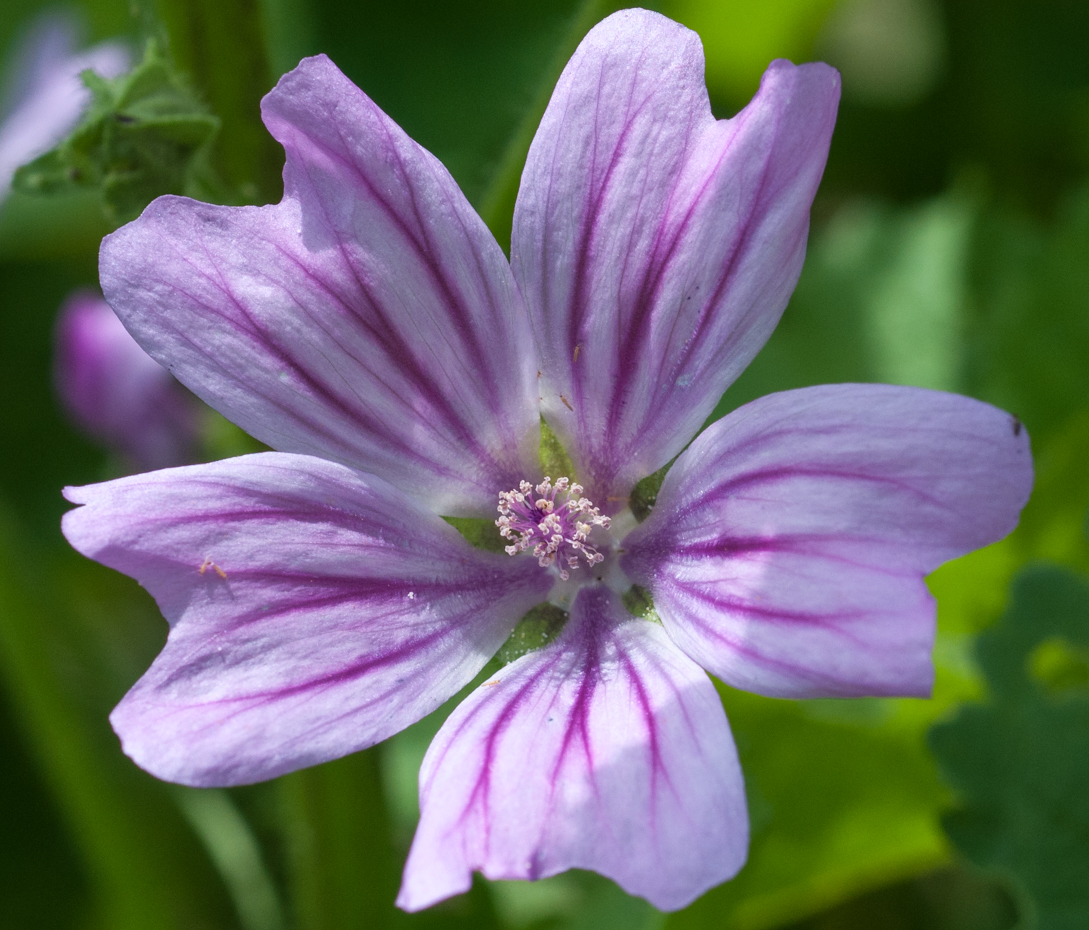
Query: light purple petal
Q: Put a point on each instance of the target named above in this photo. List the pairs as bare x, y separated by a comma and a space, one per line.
369, 317
49, 97
314, 611
608, 750
787, 549
116, 392
656, 248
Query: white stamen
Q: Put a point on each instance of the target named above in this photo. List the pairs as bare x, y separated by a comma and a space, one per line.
551, 532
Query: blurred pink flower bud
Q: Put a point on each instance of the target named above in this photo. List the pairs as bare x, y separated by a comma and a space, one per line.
116, 393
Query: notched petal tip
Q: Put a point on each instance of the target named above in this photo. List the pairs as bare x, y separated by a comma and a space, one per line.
314, 611
310, 71
817, 74
607, 750
808, 96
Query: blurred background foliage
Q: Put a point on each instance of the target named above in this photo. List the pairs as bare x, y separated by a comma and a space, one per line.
949, 249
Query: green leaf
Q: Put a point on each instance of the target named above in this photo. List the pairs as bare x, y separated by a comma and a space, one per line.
645, 493
843, 798
639, 603
574, 900
740, 39
33, 228
469, 82
1020, 762
1029, 330
949, 898
555, 462
291, 28
146, 133
535, 630
234, 849
496, 201
344, 860
882, 297
1015, 103
479, 532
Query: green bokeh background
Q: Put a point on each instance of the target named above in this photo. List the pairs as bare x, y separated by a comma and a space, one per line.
949, 249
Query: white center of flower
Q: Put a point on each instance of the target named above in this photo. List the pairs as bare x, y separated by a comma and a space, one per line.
553, 520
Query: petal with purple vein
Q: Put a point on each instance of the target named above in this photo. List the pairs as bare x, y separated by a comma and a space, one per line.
607, 750
314, 611
788, 546
369, 317
656, 248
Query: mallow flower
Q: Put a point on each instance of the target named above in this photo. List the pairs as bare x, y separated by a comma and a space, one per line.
370, 329
46, 97
118, 394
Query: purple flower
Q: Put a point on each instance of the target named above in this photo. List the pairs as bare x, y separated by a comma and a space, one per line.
47, 97
117, 393
370, 328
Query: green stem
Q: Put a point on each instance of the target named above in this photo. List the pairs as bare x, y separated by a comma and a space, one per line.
497, 203
221, 46
341, 862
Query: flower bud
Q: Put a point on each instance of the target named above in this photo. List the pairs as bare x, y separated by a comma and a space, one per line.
118, 394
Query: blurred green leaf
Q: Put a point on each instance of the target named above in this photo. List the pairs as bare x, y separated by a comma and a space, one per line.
146, 133
344, 855
234, 849
882, 297
341, 866
916, 307
291, 32
34, 228
843, 797
147, 868
1028, 333
221, 439
467, 81
1053, 525
741, 39
891, 53
950, 898
42, 881
574, 900
1018, 94
1020, 762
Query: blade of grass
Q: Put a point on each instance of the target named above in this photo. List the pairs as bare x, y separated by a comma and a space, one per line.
230, 842
341, 864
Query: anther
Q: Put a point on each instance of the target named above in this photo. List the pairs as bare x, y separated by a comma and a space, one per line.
554, 525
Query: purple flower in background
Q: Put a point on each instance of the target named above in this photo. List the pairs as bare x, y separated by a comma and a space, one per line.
369, 327
46, 96
117, 393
